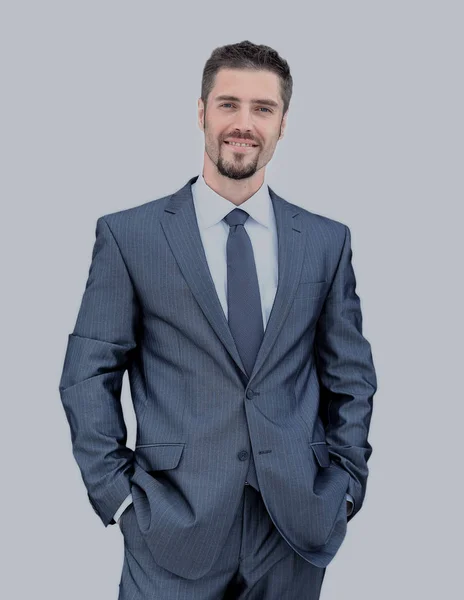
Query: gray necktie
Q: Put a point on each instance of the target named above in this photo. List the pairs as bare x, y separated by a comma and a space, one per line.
243, 300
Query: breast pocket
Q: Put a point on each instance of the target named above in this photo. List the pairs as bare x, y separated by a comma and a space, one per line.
311, 289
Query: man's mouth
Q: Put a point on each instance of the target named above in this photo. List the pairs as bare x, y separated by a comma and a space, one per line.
242, 146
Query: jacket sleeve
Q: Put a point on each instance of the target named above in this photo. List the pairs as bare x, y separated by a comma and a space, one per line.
98, 352
347, 376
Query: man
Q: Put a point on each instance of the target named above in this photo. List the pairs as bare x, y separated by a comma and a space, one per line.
235, 314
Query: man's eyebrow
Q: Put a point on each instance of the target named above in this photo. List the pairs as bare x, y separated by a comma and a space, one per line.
266, 101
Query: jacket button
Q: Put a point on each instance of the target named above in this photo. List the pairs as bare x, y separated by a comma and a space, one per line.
242, 455
250, 394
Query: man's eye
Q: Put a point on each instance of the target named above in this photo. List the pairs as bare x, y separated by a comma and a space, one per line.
225, 104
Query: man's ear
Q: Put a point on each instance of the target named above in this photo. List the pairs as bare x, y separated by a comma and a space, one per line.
201, 114
283, 125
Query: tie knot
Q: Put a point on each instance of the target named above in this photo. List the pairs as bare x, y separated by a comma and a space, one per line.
236, 217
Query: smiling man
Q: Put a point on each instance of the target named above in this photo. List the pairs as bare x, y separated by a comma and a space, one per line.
236, 315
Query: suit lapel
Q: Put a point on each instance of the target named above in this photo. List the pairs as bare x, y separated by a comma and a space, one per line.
291, 248
180, 226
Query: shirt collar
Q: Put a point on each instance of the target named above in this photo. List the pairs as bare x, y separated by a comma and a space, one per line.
211, 208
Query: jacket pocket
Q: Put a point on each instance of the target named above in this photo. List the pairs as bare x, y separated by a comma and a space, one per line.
160, 456
321, 451
311, 289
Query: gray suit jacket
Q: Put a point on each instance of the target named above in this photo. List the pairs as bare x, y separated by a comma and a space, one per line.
150, 306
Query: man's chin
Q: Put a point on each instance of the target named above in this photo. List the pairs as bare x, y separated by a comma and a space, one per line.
237, 176
234, 173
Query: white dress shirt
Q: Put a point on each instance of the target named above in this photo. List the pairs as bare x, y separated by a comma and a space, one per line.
210, 210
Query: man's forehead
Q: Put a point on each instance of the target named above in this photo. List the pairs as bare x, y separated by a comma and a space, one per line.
260, 86
263, 76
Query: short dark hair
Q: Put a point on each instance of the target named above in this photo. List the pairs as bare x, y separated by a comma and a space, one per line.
246, 55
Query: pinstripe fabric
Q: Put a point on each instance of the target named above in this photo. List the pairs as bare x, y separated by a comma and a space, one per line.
150, 307
256, 563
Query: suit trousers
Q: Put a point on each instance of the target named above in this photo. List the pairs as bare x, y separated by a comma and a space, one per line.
256, 563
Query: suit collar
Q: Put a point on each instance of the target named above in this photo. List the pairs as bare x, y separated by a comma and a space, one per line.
211, 207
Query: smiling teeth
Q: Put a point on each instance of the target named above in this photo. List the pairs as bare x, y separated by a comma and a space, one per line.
244, 145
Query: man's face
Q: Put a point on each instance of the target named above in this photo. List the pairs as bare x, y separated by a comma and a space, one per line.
245, 106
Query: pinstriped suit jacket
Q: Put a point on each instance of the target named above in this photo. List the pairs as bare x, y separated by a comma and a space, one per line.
150, 306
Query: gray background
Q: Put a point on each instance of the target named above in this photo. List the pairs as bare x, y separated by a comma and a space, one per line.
98, 114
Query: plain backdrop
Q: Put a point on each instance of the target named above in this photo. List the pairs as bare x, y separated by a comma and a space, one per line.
99, 113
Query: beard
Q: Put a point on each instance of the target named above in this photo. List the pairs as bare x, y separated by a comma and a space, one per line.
238, 168
241, 166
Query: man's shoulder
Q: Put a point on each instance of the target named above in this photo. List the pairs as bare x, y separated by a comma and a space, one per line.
139, 213
136, 218
317, 221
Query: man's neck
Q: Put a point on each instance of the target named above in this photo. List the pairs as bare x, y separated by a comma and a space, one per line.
236, 191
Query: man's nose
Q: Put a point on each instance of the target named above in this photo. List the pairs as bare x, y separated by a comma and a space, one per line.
243, 120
